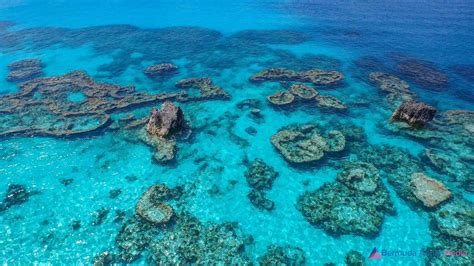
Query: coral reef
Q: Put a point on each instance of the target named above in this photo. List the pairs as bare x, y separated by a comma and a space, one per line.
327, 101
206, 87
258, 199
305, 144
397, 89
260, 175
355, 204
416, 114
452, 230
314, 76
429, 191
160, 70
43, 106
303, 92
423, 73
281, 98
151, 208
354, 258
16, 195
286, 255
191, 242
133, 237
24, 70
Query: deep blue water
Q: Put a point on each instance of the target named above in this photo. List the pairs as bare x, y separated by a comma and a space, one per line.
114, 41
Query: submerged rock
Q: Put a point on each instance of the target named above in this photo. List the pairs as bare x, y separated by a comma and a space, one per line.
192, 242
160, 70
424, 73
166, 121
306, 144
355, 204
260, 175
315, 76
151, 207
104, 259
416, 114
16, 195
429, 191
281, 98
286, 255
24, 70
25, 63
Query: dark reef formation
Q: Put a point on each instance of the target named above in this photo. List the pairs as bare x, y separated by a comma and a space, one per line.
16, 195
44, 107
161, 70
354, 258
314, 76
24, 70
192, 242
355, 204
303, 92
260, 177
423, 73
452, 229
397, 89
206, 87
416, 114
306, 144
286, 255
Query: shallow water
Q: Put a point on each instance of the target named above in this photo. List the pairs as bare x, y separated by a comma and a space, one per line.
210, 39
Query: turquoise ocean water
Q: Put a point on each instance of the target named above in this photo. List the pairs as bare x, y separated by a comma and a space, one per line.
228, 41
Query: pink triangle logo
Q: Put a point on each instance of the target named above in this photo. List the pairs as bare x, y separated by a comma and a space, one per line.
374, 255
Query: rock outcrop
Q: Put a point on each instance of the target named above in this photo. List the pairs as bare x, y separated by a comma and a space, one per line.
416, 114
160, 131
166, 121
283, 255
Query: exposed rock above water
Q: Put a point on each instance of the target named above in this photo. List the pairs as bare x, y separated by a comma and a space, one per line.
303, 92
281, 98
166, 121
416, 114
